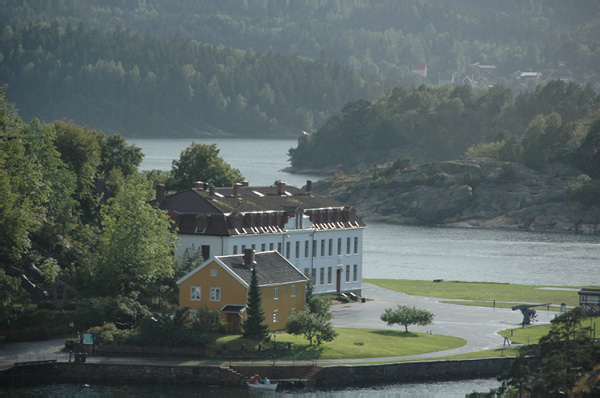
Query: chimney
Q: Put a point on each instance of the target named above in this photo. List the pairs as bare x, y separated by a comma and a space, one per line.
237, 189
198, 185
248, 258
308, 186
211, 190
280, 187
245, 183
160, 193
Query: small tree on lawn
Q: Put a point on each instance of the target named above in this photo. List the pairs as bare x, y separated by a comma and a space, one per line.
406, 316
254, 327
314, 323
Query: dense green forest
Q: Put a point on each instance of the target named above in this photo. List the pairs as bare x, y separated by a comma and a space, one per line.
264, 67
384, 37
441, 123
74, 214
127, 82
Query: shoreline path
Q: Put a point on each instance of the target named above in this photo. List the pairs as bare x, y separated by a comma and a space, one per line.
479, 326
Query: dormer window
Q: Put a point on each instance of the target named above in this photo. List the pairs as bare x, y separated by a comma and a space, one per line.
201, 223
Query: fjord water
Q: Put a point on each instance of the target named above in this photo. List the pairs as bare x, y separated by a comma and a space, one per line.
417, 253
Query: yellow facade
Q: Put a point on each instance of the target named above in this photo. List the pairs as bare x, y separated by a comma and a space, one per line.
278, 307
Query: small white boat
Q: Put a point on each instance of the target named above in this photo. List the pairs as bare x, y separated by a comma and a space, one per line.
261, 386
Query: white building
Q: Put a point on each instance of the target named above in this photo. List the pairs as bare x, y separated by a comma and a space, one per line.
322, 237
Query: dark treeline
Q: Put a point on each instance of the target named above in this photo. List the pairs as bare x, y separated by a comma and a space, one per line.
384, 36
549, 124
141, 84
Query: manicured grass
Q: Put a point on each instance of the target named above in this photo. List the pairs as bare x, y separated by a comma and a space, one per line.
532, 334
481, 291
358, 343
497, 304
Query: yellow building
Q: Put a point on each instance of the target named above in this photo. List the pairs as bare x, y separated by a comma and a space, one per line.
222, 283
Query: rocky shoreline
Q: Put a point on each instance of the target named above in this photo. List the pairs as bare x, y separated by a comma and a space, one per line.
474, 193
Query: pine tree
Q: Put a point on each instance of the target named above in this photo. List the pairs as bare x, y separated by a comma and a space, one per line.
254, 328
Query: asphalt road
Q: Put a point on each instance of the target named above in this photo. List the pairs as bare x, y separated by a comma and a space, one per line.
479, 326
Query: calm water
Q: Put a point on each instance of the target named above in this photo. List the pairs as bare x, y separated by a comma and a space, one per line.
390, 251
418, 253
454, 389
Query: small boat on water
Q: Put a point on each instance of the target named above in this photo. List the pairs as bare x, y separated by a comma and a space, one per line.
262, 387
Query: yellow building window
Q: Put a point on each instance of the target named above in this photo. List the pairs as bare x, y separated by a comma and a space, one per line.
293, 290
276, 293
275, 313
195, 293
215, 294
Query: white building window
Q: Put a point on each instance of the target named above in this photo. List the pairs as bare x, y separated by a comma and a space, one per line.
293, 290
195, 293
270, 246
330, 247
347, 273
322, 276
356, 245
287, 250
355, 273
348, 244
234, 249
215, 294
276, 293
305, 249
263, 247
329, 275
339, 249
297, 249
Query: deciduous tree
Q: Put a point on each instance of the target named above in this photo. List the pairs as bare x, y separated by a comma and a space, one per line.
201, 162
406, 316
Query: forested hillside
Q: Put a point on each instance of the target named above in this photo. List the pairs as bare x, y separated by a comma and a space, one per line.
383, 37
441, 123
131, 83
151, 66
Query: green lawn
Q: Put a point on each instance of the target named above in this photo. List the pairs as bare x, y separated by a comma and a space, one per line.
481, 291
532, 334
359, 343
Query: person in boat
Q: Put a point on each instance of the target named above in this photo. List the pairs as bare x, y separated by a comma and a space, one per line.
266, 380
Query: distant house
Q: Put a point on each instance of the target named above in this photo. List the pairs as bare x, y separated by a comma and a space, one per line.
487, 68
518, 75
420, 69
446, 78
589, 301
466, 81
222, 284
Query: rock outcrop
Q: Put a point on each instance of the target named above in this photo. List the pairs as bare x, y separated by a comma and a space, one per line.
480, 193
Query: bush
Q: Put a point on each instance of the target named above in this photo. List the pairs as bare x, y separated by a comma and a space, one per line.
72, 344
207, 320
584, 190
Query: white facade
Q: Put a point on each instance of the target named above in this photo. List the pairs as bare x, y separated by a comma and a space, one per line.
332, 258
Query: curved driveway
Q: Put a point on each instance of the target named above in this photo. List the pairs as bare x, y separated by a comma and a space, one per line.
479, 326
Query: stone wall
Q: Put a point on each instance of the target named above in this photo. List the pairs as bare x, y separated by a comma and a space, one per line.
331, 376
412, 372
